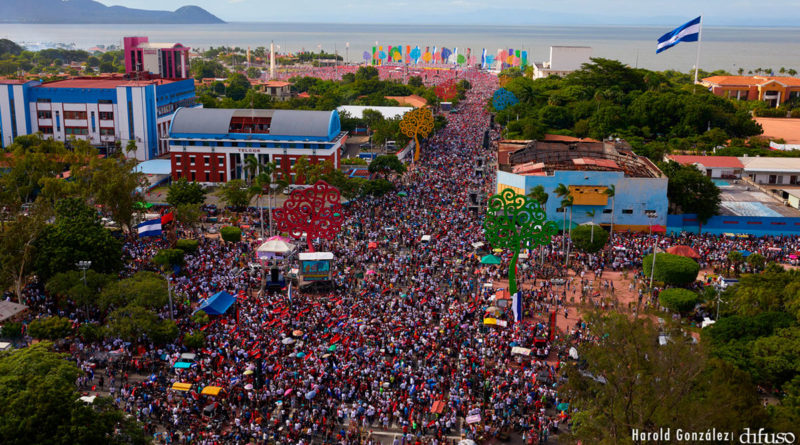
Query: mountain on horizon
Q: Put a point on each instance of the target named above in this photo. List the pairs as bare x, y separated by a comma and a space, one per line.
92, 12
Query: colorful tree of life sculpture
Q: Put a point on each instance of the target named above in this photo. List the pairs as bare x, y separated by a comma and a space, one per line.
315, 211
513, 220
503, 99
415, 123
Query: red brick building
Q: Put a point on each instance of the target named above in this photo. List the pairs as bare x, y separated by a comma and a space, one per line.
211, 145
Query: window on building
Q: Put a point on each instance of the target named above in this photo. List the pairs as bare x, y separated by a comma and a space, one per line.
191, 162
106, 132
206, 160
627, 211
221, 176
177, 159
46, 130
221, 161
94, 124
76, 131
105, 101
44, 114
560, 210
650, 212
208, 176
106, 115
606, 211
58, 122
43, 101
79, 115
193, 176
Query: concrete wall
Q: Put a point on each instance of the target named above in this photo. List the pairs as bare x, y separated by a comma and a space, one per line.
751, 225
634, 197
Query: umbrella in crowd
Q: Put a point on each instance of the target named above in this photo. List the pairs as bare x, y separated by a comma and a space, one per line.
490, 259
683, 251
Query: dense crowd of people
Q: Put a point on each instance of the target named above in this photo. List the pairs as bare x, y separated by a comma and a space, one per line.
397, 351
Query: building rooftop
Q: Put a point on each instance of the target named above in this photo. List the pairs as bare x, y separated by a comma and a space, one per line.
219, 122
781, 128
357, 111
273, 83
751, 80
776, 165
571, 154
411, 101
708, 161
102, 82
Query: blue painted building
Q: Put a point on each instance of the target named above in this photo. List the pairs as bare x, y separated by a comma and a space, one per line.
212, 145
589, 169
101, 110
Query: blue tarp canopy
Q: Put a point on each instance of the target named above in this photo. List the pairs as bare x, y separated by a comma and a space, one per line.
217, 304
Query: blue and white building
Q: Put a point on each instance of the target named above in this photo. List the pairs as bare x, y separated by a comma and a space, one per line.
589, 169
211, 145
101, 110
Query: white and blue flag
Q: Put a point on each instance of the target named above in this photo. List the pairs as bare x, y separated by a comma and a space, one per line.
516, 307
150, 228
688, 32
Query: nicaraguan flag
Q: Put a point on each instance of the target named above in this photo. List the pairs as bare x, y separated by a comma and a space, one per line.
516, 307
688, 32
150, 228
483, 58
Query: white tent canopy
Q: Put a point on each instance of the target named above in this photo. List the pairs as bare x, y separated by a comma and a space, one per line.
9, 309
274, 247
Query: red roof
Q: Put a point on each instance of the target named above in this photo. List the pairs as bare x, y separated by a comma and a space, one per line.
101, 83
751, 80
561, 138
709, 161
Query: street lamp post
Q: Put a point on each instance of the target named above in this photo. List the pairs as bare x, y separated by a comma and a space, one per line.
652, 217
84, 265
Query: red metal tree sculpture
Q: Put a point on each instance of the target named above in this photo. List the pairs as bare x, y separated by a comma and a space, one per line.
315, 211
447, 90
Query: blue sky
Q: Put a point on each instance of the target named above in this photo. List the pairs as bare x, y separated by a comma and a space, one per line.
635, 12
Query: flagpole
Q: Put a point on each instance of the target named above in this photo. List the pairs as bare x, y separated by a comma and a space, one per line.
699, 41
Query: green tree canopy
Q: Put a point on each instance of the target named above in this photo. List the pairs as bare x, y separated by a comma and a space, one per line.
386, 164
135, 323
235, 194
145, 289
629, 381
50, 328
185, 192
231, 234
674, 270
76, 235
584, 240
678, 300
691, 191
39, 404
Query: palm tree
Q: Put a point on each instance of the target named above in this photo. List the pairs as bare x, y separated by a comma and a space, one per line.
740, 71
539, 195
791, 71
251, 167
591, 214
567, 202
562, 191
611, 192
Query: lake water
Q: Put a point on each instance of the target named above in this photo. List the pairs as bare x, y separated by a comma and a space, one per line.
722, 48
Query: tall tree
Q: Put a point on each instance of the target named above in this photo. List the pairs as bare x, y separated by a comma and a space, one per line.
114, 183
631, 381
76, 235
18, 247
691, 191
39, 404
235, 194
611, 192
185, 192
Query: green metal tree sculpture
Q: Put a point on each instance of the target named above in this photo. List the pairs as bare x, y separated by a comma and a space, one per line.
513, 221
